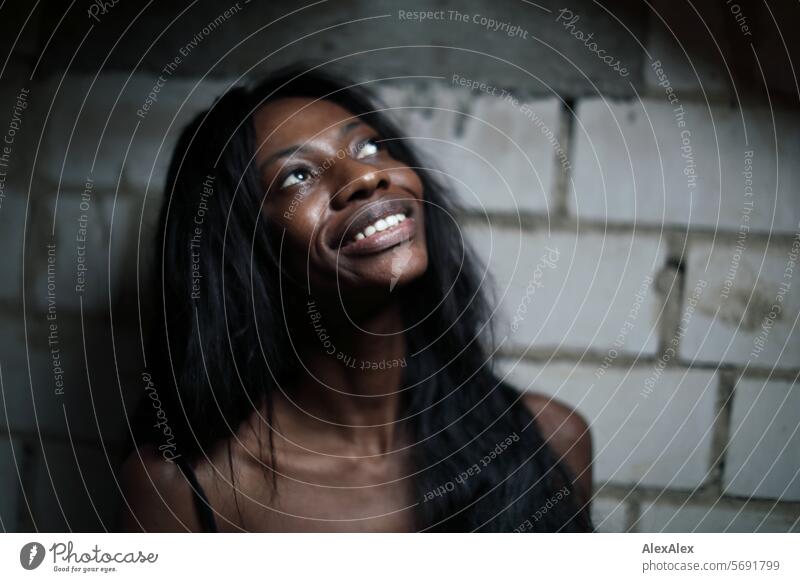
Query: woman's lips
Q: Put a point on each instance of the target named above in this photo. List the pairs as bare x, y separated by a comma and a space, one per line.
380, 241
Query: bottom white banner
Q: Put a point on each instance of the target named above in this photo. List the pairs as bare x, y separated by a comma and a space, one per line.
355, 557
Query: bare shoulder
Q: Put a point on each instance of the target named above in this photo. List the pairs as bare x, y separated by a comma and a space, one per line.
157, 496
567, 433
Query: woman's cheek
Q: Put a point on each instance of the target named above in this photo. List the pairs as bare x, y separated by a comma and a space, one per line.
302, 224
410, 180
284, 208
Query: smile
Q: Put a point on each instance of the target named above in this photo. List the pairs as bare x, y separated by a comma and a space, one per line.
380, 225
380, 234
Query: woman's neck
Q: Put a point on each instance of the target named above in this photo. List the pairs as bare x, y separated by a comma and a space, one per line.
350, 383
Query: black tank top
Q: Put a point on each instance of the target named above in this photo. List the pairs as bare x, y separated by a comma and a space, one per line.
204, 512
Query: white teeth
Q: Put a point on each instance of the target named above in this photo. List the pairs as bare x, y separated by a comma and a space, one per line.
381, 225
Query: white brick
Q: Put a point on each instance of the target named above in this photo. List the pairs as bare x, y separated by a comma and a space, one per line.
585, 300
504, 156
497, 154
83, 494
423, 109
667, 518
609, 515
744, 291
763, 457
626, 170
106, 123
662, 440
10, 451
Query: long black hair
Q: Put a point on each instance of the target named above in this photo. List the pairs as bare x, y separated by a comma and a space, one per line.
220, 345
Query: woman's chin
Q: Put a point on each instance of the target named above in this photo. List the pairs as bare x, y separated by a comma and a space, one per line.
392, 271
373, 287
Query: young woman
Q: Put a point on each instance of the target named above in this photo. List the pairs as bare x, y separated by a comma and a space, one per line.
321, 358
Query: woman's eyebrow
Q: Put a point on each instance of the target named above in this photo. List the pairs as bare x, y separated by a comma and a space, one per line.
286, 152
350, 127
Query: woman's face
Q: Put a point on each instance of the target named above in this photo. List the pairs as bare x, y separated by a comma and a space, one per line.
352, 214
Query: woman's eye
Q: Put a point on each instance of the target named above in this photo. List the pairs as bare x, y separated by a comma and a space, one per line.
295, 177
367, 148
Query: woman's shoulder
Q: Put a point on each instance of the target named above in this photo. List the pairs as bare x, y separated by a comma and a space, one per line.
156, 494
567, 433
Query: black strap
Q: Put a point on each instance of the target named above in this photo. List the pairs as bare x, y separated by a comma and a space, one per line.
204, 511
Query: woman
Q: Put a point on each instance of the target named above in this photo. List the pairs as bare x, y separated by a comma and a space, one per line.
320, 361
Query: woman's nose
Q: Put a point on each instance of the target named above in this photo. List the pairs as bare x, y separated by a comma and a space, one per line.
361, 181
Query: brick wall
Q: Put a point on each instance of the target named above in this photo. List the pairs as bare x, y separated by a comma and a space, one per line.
635, 263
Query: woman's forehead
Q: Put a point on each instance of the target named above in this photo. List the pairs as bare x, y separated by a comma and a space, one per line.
291, 118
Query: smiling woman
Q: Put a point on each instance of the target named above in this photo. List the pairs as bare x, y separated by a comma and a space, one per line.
288, 418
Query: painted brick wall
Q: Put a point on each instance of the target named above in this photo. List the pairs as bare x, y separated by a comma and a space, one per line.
636, 277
